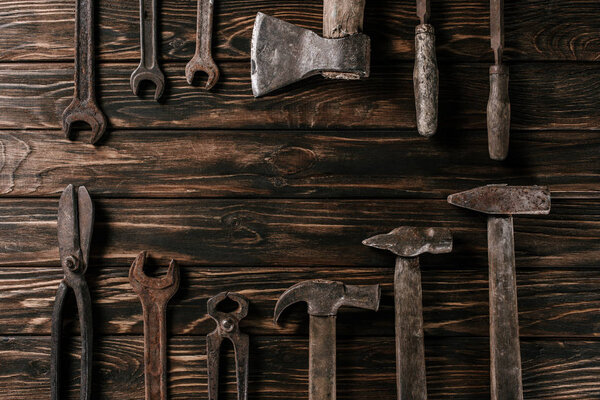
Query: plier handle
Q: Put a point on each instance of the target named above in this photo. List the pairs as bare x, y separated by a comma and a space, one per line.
75, 223
227, 328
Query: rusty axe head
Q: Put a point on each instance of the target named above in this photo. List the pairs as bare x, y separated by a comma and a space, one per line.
283, 53
411, 241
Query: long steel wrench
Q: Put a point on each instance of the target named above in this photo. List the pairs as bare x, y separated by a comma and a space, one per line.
84, 107
425, 75
498, 108
154, 294
148, 70
203, 60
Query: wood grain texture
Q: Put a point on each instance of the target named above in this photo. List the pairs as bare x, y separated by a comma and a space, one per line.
552, 303
291, 232
456, 368
535, 29
293, 164
34, 96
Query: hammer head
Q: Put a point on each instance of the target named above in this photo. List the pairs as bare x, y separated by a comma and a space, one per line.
504, 200
410, 241
283, 53
324, 298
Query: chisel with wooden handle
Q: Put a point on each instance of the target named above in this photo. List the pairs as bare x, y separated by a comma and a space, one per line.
425, 75
498, 108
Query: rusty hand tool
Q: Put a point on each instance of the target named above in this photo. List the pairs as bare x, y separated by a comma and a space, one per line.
282, 53
425, 74
75, 223
227, 328
148, 70
83, 107
498, 108
407, 243
202, 59
154, 294
324, 298
501, 202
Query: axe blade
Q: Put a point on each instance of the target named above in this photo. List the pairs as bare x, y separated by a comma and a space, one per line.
283, 53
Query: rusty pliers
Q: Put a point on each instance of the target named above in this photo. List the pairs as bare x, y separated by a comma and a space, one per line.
227, 328
75, 222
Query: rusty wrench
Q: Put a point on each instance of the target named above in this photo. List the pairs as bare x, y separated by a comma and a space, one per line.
154, 294
227, 328
202, 59
75, 223
83, 107
148, 70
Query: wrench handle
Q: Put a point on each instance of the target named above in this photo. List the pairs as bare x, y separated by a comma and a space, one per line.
155, 349
148, 33
425, 80
342, 18
505, 353
84, 50
204, 26
498, 113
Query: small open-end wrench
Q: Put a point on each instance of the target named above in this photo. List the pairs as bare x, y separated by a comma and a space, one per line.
84, 107
148, 70
227, 328
203, 60
154, 294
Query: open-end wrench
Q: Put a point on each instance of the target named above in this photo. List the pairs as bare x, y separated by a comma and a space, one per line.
203, 60
148, 70
84, 107
154, 294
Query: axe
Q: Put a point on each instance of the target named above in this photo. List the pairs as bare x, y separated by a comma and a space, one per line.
283, 53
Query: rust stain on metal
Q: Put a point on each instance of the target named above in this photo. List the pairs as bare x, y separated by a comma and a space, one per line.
75, 225
227, 328
154, 294
203, 59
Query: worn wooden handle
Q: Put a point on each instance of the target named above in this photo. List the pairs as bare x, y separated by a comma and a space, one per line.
425, 80
498, 113
342, 18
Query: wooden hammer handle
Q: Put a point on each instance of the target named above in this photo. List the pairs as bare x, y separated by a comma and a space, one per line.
498, 113
342, 18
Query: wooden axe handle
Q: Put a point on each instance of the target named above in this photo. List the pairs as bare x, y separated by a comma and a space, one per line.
342, 18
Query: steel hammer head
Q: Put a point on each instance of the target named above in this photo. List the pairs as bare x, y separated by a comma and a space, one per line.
324, 298
504, 200
283, 53
410, 241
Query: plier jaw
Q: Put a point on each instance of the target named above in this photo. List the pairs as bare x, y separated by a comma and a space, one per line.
227, 328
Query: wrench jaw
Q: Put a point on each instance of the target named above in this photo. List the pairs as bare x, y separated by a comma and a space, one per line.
154, 75
209, 67
88, 112
167, 284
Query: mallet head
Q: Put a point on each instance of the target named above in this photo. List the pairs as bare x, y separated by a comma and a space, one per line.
283, 53
411, 241
324, 298
504, 200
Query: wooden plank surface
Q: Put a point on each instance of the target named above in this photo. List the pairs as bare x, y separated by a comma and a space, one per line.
456, 368
35, 95
292, 232
535, 29
294, 164
552, 303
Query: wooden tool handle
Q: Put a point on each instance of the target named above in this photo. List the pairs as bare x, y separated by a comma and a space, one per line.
425, 80
342, 18
498, 113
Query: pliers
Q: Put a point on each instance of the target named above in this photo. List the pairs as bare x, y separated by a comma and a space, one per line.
75, 222
227, 328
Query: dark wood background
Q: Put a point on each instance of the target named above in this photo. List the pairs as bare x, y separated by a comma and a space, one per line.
255, 195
